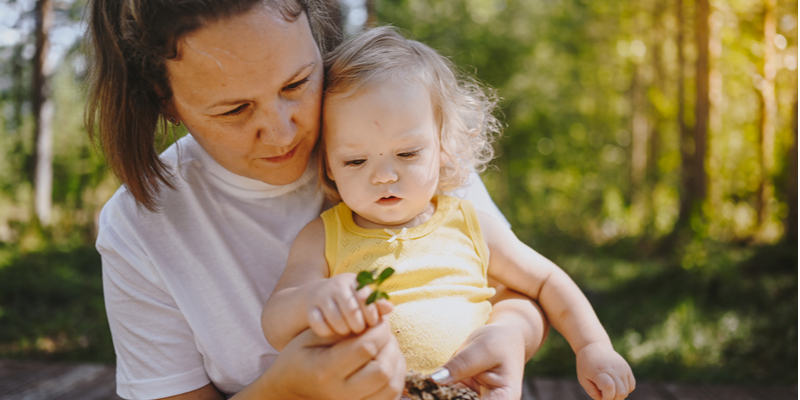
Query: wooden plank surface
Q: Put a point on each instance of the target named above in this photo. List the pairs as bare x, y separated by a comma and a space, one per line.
32, 380
569, 389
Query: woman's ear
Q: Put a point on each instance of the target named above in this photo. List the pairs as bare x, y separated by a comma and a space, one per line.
168, 109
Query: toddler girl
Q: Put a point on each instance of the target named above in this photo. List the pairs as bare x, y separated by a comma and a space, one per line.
399, 131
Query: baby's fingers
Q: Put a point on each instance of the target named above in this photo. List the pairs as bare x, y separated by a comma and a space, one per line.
334, 319
631, 382
591, 389
317, 323
606, 385
621, 386
352, 312
370, 312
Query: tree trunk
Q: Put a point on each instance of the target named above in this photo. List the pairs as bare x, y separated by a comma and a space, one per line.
768, 115
686, 142
372, 12
702, 104
790, 224
639, 139
43, 109
715, 130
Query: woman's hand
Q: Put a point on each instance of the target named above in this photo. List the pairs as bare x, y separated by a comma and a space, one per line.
492, 360
369, 366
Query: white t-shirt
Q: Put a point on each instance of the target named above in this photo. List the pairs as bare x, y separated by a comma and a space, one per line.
184, 287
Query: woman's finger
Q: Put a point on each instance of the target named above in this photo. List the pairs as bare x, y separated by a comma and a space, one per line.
470, 360
357, 351
385, 374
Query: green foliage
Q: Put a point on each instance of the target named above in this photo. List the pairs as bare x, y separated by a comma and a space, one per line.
367, 278
733, 319
573, 76
583, 84
51, 305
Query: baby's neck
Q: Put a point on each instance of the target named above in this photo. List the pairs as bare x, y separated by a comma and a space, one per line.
420, 219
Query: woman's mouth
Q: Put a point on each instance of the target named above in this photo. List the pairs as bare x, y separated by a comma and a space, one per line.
388, 201
282, 158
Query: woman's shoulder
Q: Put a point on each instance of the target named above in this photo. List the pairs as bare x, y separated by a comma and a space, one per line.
123, 211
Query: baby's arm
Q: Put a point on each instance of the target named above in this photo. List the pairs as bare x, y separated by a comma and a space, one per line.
305, 297
601, 371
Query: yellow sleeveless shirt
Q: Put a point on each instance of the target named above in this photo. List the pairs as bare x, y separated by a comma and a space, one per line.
439, 286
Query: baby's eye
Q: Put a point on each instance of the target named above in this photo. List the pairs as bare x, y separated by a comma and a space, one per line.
354, 163
408, 154
236, 111
296, 85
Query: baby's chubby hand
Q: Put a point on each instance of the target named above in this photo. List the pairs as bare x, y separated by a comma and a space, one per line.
603, 373
336, 308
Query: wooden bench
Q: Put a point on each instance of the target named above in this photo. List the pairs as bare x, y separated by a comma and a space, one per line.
32, 380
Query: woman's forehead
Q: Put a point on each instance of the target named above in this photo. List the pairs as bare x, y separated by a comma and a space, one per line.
258, 48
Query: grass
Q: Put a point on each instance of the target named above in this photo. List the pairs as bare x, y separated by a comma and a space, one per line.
51, 306
710, 312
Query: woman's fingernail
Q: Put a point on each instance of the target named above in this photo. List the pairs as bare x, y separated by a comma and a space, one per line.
441, 376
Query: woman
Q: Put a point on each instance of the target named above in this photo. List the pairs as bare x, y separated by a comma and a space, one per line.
195, 240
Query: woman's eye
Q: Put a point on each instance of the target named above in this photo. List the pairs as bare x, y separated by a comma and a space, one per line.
354, 163
236, 110
408, 154
296, 85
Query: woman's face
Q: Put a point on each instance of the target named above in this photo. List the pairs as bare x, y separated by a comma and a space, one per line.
249, 89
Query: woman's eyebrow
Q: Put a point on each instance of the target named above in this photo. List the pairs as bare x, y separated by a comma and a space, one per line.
299, 72
233, 102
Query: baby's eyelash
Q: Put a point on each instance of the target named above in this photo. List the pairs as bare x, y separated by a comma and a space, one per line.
354, 163
408, 154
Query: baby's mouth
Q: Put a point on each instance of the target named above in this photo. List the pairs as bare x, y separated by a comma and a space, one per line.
388, 200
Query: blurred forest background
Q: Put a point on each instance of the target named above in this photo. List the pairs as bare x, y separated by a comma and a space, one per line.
650, 150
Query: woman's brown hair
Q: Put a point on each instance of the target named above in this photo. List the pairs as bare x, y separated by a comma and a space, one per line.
129, 42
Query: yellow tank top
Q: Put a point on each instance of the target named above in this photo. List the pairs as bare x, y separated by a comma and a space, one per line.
439, 286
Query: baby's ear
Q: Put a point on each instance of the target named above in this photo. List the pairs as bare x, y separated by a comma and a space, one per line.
444, 158
328, 171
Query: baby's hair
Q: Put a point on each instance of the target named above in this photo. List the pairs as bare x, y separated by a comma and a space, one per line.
462, 106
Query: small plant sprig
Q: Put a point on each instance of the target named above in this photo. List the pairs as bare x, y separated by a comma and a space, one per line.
367, 278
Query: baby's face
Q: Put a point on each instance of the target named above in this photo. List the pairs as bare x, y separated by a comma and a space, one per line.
383, 151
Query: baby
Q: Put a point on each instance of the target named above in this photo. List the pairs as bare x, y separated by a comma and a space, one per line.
399, 131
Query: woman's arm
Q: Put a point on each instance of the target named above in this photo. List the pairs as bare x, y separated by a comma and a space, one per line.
369, 367
496, 371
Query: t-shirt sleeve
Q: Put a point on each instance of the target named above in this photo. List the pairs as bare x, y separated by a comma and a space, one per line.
475, 191
157, 355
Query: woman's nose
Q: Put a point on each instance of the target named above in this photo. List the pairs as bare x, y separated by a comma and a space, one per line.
384, 172
276, 127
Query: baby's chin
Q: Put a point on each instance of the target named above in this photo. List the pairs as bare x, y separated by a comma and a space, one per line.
371, 220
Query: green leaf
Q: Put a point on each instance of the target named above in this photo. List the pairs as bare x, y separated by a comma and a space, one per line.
372, 297
364, 278
384, 295
385, 274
